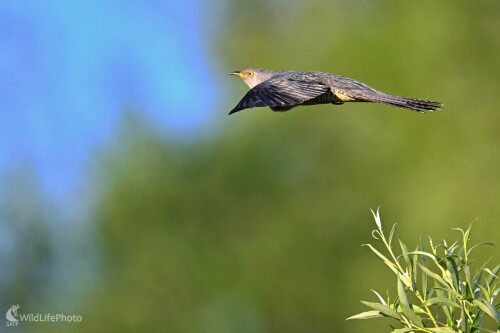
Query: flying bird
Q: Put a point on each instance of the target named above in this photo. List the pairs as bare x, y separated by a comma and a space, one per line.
284, 90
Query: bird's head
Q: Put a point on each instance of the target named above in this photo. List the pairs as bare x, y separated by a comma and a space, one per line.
254, 76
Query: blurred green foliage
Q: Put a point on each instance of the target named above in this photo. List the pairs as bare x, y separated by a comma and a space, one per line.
257, 228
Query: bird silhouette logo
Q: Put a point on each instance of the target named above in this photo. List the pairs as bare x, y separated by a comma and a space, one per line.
11, 314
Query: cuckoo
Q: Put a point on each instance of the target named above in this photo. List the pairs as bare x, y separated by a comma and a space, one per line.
284, 90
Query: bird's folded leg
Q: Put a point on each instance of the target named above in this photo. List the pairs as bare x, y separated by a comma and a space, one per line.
281, 108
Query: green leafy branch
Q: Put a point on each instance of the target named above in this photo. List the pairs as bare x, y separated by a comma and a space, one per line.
436, 290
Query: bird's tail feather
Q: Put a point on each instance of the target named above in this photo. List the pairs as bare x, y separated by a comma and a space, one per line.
413, 104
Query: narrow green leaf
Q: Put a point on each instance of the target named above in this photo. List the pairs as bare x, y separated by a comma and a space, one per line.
406, 280
486, 263
404, 252
448, 277
453, 271
367, 315
403, 299
463, 321
424, 285
442, 292
432, 245
440, 301
418, 309
485, 292
414, 270
385, 309
424, 276
449, 291
433, 257
478, 282
467, 234
376, 216
479, 244
430, 255
405, 305
392, 267
487, 330
403, 330
494, 294
384, 258
411, 315
391, 234
468, 279
450, 249
488, 308
489, 278
495, 270
487, 270
382, 300
442, 329
433, 275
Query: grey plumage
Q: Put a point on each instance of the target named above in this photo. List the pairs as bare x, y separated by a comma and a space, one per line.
284, 90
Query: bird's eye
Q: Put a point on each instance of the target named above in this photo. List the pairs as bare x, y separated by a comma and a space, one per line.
250, 73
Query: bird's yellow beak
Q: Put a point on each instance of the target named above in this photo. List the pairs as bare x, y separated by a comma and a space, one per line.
237, 73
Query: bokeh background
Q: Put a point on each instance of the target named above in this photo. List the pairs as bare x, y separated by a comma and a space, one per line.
128, 196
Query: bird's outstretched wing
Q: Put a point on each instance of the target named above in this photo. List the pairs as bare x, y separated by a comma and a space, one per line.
281, 92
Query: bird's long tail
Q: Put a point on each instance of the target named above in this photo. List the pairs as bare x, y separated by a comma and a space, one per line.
413, 104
